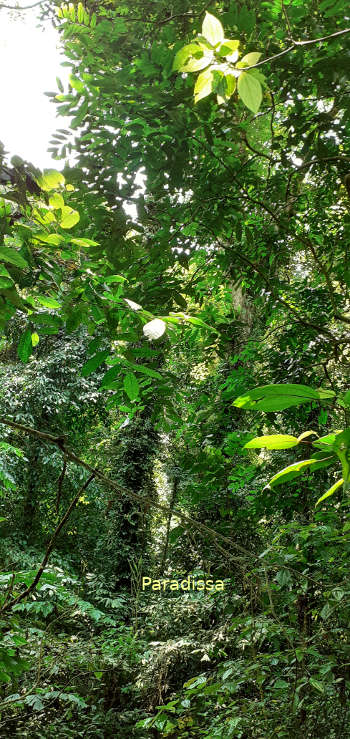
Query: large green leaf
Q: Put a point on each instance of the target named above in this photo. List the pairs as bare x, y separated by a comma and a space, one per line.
203, 86
275, 441
69, 217
110, 375
279, 397
25, 346
5, 278
192, 58
50, 180
131, 386
94, 362
249, 90
47, 301
294, 470
331, 491
11, 256
212, 29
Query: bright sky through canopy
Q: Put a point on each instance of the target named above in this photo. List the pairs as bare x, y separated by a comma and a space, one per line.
30, 61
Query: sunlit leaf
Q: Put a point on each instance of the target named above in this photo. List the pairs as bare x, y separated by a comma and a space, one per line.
50, 180
212, 29
249, 90
275, 441
69, 218
203, 86
330, 491
279, 397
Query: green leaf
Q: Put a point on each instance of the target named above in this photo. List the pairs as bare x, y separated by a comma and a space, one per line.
147, 371
25, 346
250, 59
69, 217
94, 362
316, 684
5, 278
131, 386
154, 329
11, 256
330, 491
52, 239
47, 302
279, 397
249, 90
191, 58
228, 48
231, 83
283, 577
110, 375
56, 201
48, 320
84, 242
275, 441
345, 400
212, 29
291, 472
326, 442
116, 278
50, 180
35, 339
203, 86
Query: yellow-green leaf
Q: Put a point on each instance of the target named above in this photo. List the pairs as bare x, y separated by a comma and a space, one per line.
274, 441
56, 201
50, 180
212, 29
203, 86
35, 339
305, 434
292, 471
330, 491
184, 55
80, 12
228, 47
250, 92
69, 218
250, 59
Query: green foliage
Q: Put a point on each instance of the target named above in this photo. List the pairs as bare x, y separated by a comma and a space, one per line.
132, 316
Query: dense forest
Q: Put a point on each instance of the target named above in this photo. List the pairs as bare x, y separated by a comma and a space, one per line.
174, 314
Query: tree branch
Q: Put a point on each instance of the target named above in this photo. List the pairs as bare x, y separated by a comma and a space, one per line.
7, 606
295, 45
27, 7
